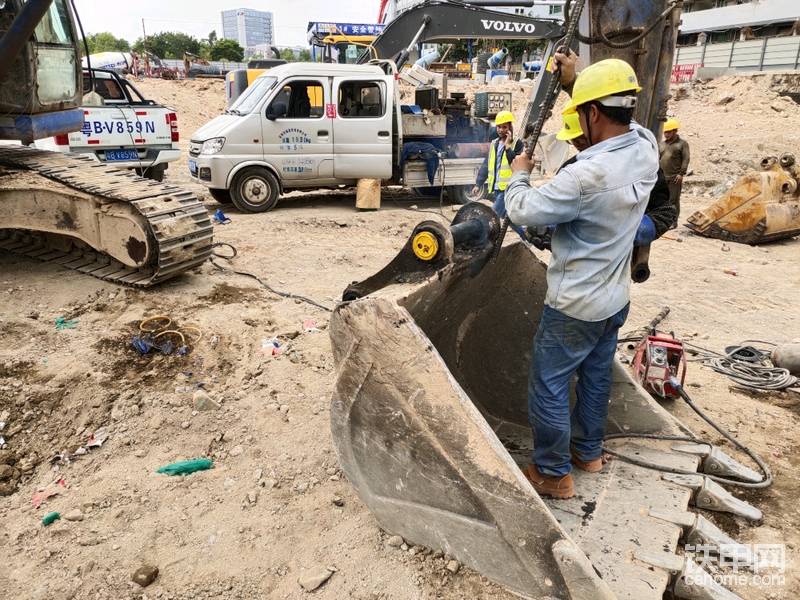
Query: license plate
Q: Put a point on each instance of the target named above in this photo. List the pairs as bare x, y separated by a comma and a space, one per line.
193, 167
113, 155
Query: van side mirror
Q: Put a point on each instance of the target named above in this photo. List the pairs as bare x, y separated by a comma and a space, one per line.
277, 110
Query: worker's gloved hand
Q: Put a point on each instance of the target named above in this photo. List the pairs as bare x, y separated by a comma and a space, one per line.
540, 237
646, 233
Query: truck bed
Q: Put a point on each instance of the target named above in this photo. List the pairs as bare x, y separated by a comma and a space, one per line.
451, 171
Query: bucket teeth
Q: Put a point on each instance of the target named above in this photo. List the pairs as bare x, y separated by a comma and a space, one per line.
712, 496
694, 583
717, 462
691, 581
699, 531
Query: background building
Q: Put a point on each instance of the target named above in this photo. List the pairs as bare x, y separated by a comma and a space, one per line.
251, 28
755, 35
729, 20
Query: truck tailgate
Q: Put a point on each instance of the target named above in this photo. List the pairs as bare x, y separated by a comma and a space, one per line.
122, 127
455, 171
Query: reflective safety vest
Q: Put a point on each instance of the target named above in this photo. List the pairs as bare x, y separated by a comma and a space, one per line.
504, 174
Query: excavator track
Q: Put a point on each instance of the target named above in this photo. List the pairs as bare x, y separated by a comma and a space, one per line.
178, 227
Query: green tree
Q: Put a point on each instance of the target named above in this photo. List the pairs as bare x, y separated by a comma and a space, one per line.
106, 42
305, 55
212, 38
227, 50
169, 44
287, 54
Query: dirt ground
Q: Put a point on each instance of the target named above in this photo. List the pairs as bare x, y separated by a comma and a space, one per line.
275, 508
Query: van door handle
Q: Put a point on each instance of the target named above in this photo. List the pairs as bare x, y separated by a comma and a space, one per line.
322, 132
383, 134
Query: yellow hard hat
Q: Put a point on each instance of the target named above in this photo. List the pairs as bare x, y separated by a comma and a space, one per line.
601, 80
504, 116
672, 124
571, 129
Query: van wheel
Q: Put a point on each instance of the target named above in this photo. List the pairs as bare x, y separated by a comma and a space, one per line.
221, 196
255, 190
461, 194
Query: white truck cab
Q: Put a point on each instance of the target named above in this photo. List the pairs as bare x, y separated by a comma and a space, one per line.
305, 125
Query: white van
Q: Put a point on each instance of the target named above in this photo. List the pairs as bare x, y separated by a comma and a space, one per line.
311, 125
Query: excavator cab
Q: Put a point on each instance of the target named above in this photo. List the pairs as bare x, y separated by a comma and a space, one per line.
429, 409
40, 72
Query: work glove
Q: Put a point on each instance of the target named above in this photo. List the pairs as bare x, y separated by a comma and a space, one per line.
540, 237
646, 233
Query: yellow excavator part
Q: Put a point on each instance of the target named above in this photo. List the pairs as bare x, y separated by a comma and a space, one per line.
761, 207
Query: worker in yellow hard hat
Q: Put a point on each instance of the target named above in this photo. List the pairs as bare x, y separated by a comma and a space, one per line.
571, 132
674, 159
596, 205
496, 169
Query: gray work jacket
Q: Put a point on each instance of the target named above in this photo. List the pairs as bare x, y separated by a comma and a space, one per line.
596, 204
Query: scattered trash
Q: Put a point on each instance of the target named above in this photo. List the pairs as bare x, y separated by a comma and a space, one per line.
220, 218
733, 272
50, 518
43, 494
63, 323
2, 441
185, 467
160, 334
96, 440
145, 575
272, 346
310, 326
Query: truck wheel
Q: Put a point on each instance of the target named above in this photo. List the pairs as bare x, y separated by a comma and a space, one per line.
221, 196
461, 194
255, 190
155, 173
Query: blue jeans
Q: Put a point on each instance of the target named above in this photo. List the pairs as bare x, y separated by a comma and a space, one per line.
500, 209
562, 347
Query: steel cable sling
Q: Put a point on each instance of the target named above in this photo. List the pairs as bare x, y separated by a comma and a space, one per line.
553, 89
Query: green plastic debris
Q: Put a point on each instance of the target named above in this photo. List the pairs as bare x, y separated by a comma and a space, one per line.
62, 323
184, 467
50, 518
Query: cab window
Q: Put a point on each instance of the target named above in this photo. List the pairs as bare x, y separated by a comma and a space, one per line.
302, 100
361, 99
107, 88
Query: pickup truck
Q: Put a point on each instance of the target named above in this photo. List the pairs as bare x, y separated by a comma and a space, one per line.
121, 127
312, 125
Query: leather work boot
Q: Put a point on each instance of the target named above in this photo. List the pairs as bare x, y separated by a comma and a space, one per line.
590, 466
548, 485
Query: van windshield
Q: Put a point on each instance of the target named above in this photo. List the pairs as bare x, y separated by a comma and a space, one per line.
246, 103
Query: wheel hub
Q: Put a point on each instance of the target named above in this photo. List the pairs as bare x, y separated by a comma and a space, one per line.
254, 190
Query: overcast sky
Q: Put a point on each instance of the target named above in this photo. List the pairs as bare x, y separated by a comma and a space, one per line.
199, 17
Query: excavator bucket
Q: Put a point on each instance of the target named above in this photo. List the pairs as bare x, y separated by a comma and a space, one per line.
429, 419
761, 207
